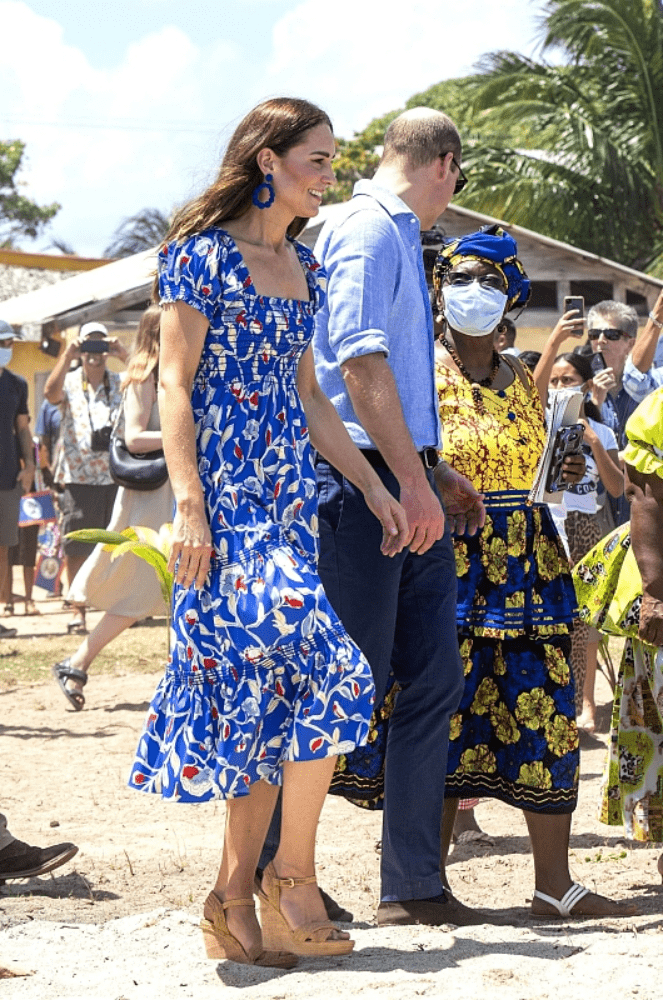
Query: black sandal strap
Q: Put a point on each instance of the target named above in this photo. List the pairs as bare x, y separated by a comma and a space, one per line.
69, 673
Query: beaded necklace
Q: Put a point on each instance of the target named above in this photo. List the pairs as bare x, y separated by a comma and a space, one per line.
475, 386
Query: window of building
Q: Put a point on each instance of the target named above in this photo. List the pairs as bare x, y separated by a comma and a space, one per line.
592, 292
544, 295
638, 301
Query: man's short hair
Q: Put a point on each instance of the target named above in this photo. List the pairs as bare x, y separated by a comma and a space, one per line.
623, 317
419, 136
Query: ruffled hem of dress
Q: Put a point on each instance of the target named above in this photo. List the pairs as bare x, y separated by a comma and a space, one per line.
203, 741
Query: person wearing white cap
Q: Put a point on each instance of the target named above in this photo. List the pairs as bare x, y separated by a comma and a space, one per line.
15, 445
89, 398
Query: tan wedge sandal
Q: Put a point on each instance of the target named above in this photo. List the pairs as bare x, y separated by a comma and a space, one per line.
308, 939
221, 943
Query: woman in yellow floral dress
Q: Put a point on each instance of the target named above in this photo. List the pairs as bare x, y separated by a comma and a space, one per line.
620, 591
514, 736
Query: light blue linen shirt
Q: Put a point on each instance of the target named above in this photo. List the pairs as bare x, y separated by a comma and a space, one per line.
377, 302
639, 384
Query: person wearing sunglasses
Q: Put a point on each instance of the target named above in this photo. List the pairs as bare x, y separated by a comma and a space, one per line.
611, 329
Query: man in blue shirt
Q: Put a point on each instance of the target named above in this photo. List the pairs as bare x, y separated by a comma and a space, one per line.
374, 357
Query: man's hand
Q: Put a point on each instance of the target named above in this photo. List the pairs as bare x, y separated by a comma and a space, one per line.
651, 620
425, 516
26, 478
463, 505
117, 349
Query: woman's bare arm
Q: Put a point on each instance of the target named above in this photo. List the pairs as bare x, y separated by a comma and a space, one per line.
183, 331
138, 401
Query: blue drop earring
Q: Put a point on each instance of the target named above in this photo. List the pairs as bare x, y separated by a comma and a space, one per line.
269, 188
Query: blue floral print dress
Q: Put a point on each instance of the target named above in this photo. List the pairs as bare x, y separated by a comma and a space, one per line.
261, 670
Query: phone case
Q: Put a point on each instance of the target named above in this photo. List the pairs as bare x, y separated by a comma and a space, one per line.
568, 441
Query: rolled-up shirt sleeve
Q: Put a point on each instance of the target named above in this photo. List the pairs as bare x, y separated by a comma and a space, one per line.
639, 384
363, 267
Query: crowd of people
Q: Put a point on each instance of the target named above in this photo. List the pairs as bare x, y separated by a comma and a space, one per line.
364, 594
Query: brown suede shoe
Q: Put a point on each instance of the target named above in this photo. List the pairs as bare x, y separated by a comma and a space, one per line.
442, 909
19, 860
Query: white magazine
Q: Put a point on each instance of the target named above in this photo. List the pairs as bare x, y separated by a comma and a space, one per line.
563, 412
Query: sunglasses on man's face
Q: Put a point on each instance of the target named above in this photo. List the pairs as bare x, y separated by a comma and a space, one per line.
610, 334
461, 180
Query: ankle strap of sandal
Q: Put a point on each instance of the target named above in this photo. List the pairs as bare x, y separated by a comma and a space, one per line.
290, 883
237, 902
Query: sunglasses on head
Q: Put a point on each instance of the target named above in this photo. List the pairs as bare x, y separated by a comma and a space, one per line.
461, 180
610, 334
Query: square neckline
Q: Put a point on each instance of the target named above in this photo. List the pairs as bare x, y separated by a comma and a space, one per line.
250, 288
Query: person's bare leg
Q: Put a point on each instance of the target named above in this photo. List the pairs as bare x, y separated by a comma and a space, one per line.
466, 822
107, 628
247, 820
5, 576
449, 814
587, 719
305, 785
549, 835
74, 563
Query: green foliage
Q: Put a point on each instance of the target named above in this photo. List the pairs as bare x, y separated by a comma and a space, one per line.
571, 148
587, 167
19, 216
145, 543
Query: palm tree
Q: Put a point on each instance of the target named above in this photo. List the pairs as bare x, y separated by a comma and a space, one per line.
143, 231
575, 150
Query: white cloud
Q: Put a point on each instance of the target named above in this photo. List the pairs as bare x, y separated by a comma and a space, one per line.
67, 112
364, 59
177, 101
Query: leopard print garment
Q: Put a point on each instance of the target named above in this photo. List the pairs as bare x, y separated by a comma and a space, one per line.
582, 532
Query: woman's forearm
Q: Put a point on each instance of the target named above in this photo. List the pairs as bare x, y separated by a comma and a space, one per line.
608, 467
179, 445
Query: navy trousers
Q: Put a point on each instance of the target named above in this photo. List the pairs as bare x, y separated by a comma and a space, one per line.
401, 612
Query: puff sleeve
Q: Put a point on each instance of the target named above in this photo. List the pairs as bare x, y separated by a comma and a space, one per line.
192, 272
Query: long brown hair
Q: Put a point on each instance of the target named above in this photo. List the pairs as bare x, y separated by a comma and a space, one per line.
145, 353
278, 124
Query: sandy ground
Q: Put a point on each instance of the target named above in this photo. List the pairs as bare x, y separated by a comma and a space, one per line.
120, 920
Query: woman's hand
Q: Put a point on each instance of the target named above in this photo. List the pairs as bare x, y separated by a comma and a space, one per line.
573, 468
568, 325
602, 382
463, 505
391, 516
651, 620
192, 548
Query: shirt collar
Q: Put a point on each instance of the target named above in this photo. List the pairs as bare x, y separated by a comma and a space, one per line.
389, 201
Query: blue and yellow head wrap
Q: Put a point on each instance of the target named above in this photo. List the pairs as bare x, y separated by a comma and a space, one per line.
491, 245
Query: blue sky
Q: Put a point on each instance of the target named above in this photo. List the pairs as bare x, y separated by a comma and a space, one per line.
127, 104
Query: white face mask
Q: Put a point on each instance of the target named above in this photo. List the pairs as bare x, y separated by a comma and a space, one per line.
473, 309
5, 356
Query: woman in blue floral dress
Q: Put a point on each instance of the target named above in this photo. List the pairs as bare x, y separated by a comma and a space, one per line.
263, 685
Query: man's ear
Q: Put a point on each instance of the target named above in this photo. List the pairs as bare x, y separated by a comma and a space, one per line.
445, 165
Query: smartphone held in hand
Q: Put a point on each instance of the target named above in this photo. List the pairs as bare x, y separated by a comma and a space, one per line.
94, 346
576, 302
597, 362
